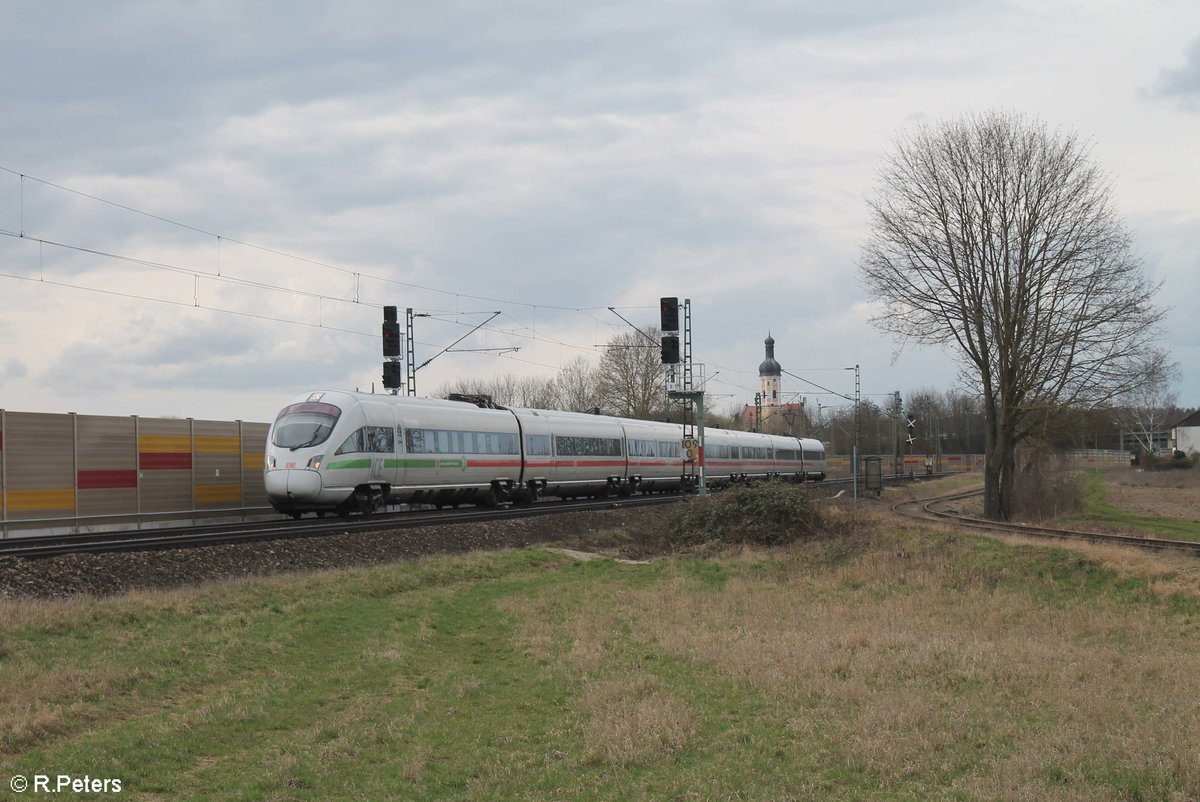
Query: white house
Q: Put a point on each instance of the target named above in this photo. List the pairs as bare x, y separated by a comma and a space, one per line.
1185, 435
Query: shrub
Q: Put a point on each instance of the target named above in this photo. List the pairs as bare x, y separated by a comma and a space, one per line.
1044, 487
1177, 460
762, 513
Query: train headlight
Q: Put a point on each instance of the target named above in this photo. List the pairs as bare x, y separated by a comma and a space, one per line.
271, 462
315, 462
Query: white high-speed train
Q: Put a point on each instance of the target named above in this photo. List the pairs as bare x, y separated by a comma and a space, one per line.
333, 451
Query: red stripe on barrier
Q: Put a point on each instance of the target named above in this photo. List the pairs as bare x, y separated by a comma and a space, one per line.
150, 461
106, 479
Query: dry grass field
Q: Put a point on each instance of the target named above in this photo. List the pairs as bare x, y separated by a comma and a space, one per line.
894, 663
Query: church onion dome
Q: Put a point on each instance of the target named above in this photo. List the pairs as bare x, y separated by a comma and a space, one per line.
769, 366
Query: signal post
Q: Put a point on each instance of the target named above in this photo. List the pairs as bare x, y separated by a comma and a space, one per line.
672, 356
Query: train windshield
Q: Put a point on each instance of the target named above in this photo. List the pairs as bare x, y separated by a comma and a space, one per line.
304, 425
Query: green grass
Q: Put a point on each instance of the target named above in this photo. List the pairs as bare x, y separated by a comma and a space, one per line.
886, 667
1098, 511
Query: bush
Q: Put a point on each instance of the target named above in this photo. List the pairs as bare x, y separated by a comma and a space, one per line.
1177, 460
1044, 487
762, 513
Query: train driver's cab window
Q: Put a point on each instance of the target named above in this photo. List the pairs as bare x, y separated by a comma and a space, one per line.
370, 439
304, 425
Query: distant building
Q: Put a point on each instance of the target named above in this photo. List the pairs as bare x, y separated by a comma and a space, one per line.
1185, 435
777, 417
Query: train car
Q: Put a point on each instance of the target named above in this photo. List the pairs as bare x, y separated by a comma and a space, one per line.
354, 452
333, 451
655, 456
571, 454
800, 458
812, 456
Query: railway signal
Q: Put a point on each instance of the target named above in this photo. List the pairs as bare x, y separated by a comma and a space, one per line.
391, 332
393, 364
670, 349
669, 315
393, 375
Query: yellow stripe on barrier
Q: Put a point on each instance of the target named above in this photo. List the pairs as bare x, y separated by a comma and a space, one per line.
25, 500
218, 444
164, 443
218, 494
253, 460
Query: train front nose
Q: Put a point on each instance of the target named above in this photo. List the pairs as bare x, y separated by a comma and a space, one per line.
291, 487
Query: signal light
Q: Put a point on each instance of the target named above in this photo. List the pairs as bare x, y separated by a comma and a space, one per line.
669, 307
670, 349
391, 332
393, 375
391, 338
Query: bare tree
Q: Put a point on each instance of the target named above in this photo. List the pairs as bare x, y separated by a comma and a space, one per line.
1148, 407
997, 237
578, 386
509, 390
632, 381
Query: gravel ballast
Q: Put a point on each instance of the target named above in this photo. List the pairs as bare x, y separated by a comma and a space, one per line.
109, 574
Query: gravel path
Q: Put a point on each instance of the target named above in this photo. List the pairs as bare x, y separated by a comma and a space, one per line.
109, 574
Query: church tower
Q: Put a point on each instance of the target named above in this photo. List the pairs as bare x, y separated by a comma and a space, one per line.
769, 373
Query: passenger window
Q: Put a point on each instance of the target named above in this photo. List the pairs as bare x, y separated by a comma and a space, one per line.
352, 444
378, 439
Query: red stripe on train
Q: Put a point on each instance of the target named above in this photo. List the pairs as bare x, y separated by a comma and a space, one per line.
493, 463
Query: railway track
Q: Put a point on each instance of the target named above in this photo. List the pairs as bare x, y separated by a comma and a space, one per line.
40, 546
191, 537
927, 509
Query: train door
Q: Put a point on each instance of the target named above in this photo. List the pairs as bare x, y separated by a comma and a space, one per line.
381, 443
401, 474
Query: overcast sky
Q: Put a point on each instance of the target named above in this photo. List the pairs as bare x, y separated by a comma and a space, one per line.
219, 196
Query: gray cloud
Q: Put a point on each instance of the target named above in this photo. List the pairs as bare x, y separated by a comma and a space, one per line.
1181, 83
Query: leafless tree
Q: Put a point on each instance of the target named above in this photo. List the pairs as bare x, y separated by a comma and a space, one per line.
1148, 407
998, 238
578, 386
509, 390
632, 381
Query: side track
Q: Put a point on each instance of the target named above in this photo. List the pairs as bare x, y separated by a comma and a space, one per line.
927, 509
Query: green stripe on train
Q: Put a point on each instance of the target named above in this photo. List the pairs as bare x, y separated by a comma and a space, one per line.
349, 464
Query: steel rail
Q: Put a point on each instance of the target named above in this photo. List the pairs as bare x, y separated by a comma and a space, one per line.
191, 537
927, 512
40, 546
